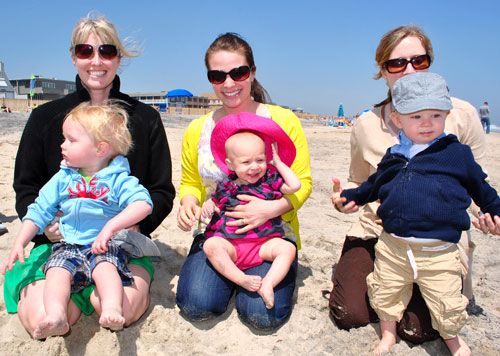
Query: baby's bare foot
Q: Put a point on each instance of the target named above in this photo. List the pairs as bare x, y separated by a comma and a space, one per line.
384, 345
251, 283
458, 346
112, 318
51, 325
266, 291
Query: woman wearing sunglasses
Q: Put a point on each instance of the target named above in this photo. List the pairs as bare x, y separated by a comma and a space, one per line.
96, 51
203, 293
401, 51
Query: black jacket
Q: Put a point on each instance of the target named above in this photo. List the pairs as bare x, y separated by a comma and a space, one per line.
39, 154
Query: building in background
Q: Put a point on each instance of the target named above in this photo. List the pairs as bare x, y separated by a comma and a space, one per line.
188, 102
214, 102
155, 99
6, 89
179, 98
45, 88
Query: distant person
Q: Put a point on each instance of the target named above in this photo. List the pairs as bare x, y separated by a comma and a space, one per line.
96, 139
401, 51
421, 225
484, 112
239, 144
96, 51
202, 292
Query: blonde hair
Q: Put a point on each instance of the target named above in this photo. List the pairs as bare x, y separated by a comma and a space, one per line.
98, 25
390, 41
106, 122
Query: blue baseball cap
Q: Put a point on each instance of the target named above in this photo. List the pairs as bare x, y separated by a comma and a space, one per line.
420, 91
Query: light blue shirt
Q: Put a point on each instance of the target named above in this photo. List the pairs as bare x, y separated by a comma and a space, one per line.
86, 206
407, 148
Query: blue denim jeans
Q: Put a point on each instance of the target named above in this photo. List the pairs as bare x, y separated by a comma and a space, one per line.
485, 121
202, 293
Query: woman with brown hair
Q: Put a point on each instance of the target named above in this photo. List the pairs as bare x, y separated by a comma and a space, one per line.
202, 292
401, 51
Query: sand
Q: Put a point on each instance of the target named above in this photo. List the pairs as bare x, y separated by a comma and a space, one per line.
309, 331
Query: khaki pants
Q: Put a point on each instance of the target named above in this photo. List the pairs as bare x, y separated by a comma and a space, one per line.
438, 275
466, 248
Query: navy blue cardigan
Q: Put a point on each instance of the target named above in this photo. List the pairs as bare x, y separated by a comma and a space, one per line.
428, 196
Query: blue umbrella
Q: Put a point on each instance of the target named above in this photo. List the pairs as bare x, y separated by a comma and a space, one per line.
178, 92
340, 113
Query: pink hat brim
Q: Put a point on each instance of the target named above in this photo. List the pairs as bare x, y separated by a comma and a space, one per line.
264, 127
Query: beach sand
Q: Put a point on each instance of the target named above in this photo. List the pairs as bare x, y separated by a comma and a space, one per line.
309, 331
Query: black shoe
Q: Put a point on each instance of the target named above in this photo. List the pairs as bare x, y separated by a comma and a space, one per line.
473, 309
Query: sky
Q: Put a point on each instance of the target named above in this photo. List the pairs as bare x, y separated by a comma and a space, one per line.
309, 54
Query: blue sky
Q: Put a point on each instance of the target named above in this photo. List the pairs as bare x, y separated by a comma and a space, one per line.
309, 54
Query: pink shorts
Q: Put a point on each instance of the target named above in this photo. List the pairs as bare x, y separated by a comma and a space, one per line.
247, 251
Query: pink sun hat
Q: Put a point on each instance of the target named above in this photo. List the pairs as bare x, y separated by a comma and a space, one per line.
268, 130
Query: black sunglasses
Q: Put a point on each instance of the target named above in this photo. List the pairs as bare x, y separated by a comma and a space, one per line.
237, 74
398, 65
85, 51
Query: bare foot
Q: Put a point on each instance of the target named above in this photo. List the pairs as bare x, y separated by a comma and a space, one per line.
251, 283
112, 319
51, 326
457, 346
266, 291
385, 344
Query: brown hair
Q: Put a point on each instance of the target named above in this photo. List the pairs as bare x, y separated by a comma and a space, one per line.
233, 42
390, 41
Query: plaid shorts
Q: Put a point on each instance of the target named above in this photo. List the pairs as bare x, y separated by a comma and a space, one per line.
80, 262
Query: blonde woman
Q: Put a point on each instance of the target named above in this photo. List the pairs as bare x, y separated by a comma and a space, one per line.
96, 51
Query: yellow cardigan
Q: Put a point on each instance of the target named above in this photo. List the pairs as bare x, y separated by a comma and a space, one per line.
191, 182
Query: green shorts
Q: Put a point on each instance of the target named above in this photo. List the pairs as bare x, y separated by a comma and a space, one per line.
31, 270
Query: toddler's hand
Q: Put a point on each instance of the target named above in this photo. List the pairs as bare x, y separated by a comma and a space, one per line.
100, 244
276, 158
487, 224
338, 201
207, 210
17, 253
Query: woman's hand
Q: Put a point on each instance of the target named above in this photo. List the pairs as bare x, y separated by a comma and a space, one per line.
487, 224
338, 201
52, 230
256, 212
189, 213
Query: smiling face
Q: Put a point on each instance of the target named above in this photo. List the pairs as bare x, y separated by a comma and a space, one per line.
234, 95
408, 48
422, 126
246, 156
96, 73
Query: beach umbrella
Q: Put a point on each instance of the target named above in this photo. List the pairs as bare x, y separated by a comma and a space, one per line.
178, 92
340, 113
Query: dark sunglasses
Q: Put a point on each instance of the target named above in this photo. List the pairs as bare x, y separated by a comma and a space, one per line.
398, 65
85, 51
237, 74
